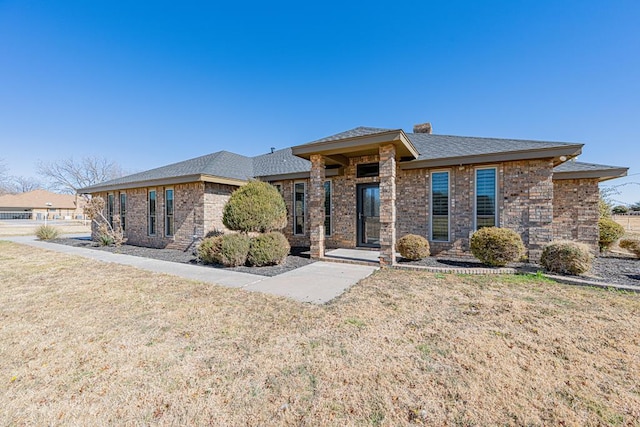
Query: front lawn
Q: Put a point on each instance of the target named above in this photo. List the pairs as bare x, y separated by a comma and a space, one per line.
88, 343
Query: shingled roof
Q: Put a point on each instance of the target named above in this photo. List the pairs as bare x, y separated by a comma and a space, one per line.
582, 170
433, 151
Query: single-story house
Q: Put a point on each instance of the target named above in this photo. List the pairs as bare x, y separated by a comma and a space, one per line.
368, 186
38, 204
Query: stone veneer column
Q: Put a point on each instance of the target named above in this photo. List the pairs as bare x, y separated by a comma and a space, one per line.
316, 206
387, 205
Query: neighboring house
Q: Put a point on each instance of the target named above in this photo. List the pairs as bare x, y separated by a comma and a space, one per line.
368, 186
39, 204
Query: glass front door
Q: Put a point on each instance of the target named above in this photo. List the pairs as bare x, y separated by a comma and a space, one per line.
368, 211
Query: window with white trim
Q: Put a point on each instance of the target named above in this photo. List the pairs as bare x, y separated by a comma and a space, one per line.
168, 212
152, 202
123, 209
299, 208
486, 206
110, 208
440, 206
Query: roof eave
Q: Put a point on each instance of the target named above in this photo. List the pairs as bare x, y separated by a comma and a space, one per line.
162, 181
568, 151
357, 143
600, 174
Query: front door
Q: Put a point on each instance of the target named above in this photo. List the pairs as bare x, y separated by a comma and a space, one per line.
368, 211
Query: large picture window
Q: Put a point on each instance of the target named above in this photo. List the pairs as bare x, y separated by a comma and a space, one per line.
440, 206
327, 208
123, 209
486, 206
168, 212
299, 208
151, 220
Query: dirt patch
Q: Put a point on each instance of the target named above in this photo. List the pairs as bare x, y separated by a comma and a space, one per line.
90, 343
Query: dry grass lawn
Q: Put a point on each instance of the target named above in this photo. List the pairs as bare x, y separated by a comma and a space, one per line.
23, 228
631, 224
87, 343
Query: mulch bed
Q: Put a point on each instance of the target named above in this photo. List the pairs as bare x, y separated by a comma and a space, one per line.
610, 268
615, 268
295, 259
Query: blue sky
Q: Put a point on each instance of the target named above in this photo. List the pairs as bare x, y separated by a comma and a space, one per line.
150, 83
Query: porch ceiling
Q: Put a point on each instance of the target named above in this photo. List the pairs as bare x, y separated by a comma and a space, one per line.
338, 152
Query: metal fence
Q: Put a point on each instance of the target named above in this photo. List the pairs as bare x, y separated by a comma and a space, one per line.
16, 215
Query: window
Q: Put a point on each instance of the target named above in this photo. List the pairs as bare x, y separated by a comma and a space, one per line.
486, 213
327, 208
168, 212
123, 209
151, 222
440, 206
364, 170
299, 208
110, 207
278, 187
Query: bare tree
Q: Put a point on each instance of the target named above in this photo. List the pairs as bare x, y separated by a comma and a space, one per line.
4, 177
68, 175
24, 184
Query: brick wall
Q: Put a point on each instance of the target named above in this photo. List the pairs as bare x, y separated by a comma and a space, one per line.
525, 193
575, 210
197, 210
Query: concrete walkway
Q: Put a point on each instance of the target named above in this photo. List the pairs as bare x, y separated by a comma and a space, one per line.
316, 283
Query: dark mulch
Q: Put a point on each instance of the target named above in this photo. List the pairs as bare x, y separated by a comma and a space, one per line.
297, 258
608, 268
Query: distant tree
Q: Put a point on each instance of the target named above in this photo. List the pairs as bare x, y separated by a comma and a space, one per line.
635, 207
68, 175
4, 177
24, 184
620, 209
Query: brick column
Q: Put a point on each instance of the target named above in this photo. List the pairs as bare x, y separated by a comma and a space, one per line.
387, 205
316, 206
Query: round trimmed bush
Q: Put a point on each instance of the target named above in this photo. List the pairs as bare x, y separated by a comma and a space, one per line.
632, 245
413, 247
229, 250
566, 257
268, 249
610, 232
209, 249
496, 246
234, 249
255, 207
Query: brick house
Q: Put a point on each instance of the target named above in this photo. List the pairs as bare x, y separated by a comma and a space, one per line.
367, 186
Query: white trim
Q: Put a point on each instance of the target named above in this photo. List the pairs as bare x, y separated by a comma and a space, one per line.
475, 196
304, 208
155, 215
430, 189
173, 211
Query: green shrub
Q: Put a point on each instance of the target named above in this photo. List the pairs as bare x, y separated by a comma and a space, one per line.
412, 246
610, 232
632, 245
497, 246
209, 249
566, 257
214, 233
268, 249
47, 232
233, 250
255, 207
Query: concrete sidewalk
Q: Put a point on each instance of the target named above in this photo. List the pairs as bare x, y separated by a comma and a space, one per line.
316, 283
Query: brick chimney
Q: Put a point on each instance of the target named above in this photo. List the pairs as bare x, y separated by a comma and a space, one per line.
422, 128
